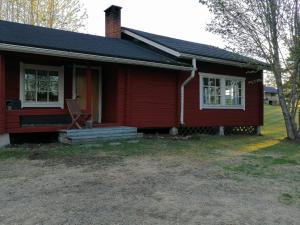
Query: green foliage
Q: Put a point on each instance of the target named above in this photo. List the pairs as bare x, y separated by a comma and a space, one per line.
60, 14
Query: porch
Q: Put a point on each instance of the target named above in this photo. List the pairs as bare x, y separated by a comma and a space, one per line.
34, 89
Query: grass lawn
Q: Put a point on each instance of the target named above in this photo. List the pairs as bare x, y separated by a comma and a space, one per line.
203, 180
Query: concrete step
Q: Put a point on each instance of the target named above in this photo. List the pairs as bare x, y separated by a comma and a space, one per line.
74, 140
79, 132
88, 135
108, 133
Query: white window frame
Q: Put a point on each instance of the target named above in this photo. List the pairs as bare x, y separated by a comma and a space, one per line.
29, 104
222, 78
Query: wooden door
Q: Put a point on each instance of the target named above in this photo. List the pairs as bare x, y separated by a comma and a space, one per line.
95, 96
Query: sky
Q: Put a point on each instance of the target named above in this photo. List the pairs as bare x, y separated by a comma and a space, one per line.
183, 19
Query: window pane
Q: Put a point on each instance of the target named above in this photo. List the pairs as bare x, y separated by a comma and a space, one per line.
53, 97
53, 86
30, 96
42, 96
53, 76
43, 81
218, 91
211, 91
240, 84
30, 74
205, 95
212, 100
233, 92
228, 101
218, 100
29, 84
29, 80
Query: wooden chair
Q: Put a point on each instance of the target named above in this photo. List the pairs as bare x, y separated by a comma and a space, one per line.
78, 117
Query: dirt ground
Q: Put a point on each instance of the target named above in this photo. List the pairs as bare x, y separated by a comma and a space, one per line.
137, 190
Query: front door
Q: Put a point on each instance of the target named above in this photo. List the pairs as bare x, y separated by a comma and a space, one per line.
81, 93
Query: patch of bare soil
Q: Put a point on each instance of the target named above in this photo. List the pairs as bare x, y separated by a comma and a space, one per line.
138, 190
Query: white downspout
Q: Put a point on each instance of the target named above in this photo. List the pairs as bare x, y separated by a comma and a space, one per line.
182, 90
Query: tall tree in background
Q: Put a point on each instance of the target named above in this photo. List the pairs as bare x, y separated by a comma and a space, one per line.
269, 30
61, 14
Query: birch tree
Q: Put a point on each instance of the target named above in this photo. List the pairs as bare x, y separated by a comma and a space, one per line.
60, 14
269, 30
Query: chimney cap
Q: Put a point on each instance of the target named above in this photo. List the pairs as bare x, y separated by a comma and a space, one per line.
113, 7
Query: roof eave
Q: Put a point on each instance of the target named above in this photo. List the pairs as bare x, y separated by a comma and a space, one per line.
91, 57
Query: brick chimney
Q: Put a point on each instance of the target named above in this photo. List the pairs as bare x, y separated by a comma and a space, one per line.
113, 22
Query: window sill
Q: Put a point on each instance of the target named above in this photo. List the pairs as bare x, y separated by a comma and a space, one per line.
42, 105
222, 107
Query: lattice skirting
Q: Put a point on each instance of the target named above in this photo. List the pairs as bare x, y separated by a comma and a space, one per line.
229, 130
198, 130
240, 130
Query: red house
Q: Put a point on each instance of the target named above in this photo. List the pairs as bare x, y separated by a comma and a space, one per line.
129, 77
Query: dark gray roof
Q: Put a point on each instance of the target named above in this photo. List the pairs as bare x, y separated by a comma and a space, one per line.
193, 48
270, 90
33, 36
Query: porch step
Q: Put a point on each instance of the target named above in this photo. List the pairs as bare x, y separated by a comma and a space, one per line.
98, 134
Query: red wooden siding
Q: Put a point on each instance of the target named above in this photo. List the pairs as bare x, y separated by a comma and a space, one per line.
2, 95
151, 98
13, 120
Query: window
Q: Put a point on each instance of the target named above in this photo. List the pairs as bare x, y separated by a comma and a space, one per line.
41, 86
219, 91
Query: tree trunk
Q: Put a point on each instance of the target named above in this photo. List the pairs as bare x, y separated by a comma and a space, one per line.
291, 132
288, 119
273, 23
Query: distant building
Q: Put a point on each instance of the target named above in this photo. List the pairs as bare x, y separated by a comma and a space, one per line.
271, 96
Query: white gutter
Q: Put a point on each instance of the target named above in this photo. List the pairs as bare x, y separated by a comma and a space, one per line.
221, 61
182, 90
83, 56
